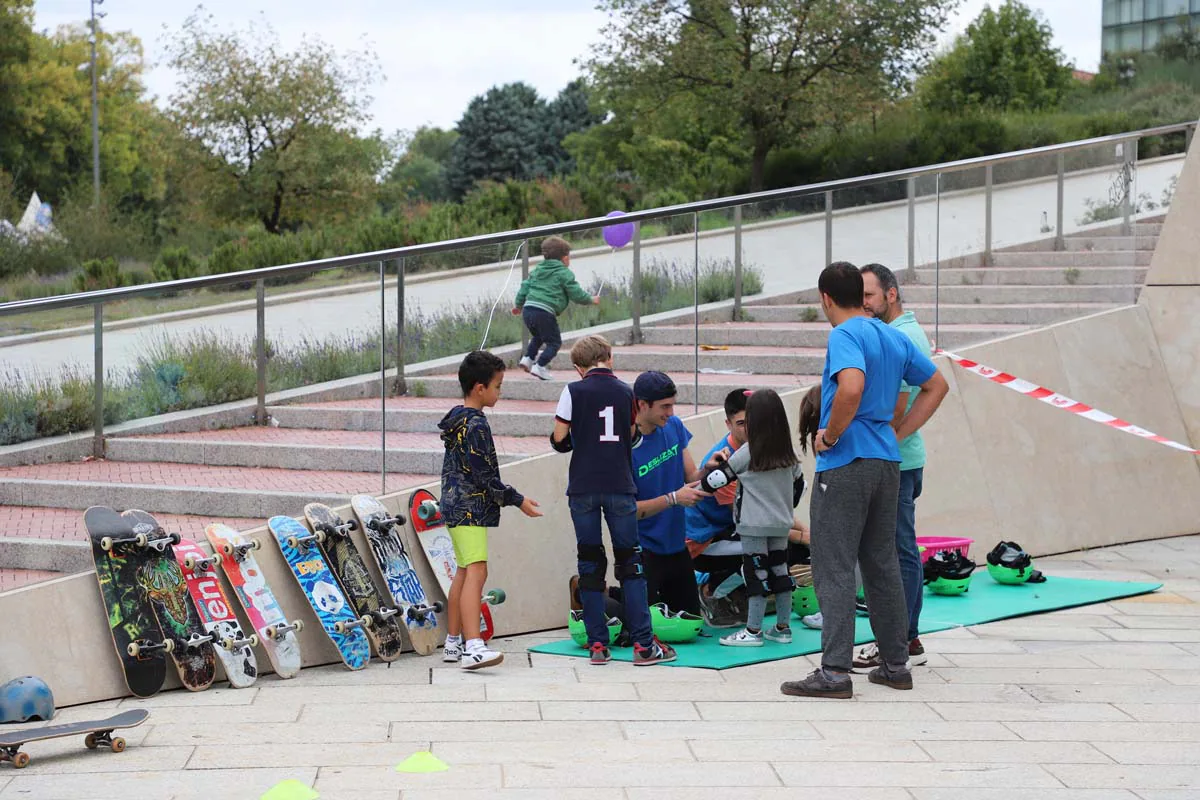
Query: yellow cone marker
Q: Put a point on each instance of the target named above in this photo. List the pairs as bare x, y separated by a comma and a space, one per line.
290, 790
424, 761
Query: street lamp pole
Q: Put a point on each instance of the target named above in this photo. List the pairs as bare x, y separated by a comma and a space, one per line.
95, 107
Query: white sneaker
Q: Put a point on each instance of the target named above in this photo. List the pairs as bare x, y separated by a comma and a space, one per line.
814, 621
743, 638
452, 651
525, 363
538, 371
479, 658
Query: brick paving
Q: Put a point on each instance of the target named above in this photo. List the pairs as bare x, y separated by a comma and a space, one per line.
16, 578
1094, 703
445, 403
335, 438
66, 524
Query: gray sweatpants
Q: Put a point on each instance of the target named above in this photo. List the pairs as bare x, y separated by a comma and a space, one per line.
757, 605
852, 511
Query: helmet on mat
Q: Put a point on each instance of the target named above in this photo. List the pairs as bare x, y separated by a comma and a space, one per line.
578, 630
23, 699
1008, 563
948, 572
804, 600
674, 627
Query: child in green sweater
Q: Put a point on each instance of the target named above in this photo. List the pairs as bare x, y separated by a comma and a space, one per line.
545, 294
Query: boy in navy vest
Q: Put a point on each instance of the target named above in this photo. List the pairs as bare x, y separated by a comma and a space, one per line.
595, 422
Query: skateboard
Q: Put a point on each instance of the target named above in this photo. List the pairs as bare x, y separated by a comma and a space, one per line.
164, 586
322, 589
430, 528
402, 581
97, 732
344, 560
135, 631
275, 633
234, 648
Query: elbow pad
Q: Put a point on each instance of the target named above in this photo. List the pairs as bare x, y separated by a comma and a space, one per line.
564, 446
797, 490
717, 477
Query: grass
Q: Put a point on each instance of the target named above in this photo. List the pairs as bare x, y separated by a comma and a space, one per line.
207, 368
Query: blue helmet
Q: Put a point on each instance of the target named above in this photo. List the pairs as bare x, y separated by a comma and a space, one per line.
23, 699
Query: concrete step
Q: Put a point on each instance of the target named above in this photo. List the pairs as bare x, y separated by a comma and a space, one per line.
1029, 276
298, 448
1068, 258
681, 358
1083, 244
532, 418
713, 386
1139, 229
950, 313
247, 492
997, 295
804, 334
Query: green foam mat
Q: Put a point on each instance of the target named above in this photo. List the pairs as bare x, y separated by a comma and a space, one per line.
987, 601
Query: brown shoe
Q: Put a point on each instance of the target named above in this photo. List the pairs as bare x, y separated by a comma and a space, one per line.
821, 683
890, 678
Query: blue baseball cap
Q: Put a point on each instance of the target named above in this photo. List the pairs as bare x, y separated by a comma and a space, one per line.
653, 386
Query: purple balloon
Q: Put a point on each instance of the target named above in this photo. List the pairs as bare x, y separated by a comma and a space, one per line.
617, 236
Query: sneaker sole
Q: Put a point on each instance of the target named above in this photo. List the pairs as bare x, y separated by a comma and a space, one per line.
484, 664
873, 678
455, 660
918, 661
840, 694
655, 661
740, 644
778, 641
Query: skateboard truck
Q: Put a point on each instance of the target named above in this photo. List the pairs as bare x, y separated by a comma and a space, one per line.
231, 644
159, 541
202, 565
277, 632
363, 622
422, 612
342, 530
238, 551
305, 541
145, 647
385, 613
195, 641
383, 524
429, 509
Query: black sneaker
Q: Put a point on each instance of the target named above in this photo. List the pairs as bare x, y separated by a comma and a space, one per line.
821, 683
719, 612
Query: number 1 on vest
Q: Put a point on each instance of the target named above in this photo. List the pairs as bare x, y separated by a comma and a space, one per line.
608, 435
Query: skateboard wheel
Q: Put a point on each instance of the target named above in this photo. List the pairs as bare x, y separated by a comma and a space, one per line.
21, 760
270, 632
176, 538
89, 741
255, 544
293, 542
299, 625
253, 640
367, 621
118, 745
141, 540
340, 627
320, 536
352, 525
189, 563
169, 646
106, 544
227, 549
496, 597
227, 644
438, 607
134, 649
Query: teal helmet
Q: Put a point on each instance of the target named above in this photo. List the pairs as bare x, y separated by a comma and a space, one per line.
578, 630
1008, 563
676, 627
804, 600
948, 572
23, 699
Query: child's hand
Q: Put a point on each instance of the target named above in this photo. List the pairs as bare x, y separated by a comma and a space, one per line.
516, 312
529, 507
689, 494
718, 458
595, 299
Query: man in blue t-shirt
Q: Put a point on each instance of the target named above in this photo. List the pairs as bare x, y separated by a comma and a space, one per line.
665, 475
853, 502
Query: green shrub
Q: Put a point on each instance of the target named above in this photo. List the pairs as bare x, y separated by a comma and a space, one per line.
100, 273
175, 263
40, 256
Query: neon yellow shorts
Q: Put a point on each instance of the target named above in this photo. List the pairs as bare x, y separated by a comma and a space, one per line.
470, 544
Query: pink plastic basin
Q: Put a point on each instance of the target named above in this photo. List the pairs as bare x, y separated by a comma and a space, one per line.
933, 544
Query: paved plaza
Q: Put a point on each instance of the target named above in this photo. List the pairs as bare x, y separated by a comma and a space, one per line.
1100, 702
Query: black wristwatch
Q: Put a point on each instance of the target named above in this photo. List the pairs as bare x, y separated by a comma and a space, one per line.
828, 443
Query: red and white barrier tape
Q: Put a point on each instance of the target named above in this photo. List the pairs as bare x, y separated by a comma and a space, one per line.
1060, 401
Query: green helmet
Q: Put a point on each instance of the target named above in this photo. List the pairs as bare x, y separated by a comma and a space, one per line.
948, 572
1009, 564
804, 600
578, 630
674, 627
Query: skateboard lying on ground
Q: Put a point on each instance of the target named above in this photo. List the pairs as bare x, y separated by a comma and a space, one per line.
426, 516
402, 581
97, 732
324, 593
275, 633
136, 633
374, 609
164, 586
234, 648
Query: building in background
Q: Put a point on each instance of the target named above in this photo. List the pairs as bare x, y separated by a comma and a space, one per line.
1138, 25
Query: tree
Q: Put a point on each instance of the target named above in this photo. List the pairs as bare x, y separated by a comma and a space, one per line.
502, 135
420, 173
775, 67
1004, 60
569, 113
283, 125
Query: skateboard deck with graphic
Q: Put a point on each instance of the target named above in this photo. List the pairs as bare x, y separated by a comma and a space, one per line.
383, 626
163, 584
131, 620
323, 591
276, 635
96, 732
233, 647
425, 513
418, 613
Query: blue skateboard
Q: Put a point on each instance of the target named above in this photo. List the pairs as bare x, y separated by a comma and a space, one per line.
324, 593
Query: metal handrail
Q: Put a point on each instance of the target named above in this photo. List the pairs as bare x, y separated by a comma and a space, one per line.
716, 204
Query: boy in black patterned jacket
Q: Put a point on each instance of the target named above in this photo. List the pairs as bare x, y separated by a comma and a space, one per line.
472, 496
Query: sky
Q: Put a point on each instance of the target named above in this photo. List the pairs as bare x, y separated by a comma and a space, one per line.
433, 60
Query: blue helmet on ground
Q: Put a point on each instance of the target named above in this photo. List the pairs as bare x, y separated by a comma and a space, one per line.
23, 699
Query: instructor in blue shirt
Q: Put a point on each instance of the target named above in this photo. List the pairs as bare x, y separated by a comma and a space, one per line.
852, 508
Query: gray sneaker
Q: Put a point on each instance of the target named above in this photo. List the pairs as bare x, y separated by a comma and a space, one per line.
892, 678
719, 612
821, 683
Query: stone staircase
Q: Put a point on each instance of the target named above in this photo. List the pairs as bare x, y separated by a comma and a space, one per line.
326, 451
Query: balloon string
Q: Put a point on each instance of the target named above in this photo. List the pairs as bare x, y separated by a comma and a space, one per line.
511, 267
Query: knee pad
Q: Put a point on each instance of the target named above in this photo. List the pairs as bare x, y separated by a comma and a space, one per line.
628, 563
714, 479
594, 555
797, 489
751, 566
777, 572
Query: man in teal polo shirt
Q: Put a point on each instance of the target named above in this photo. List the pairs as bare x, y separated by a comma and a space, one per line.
881, 299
